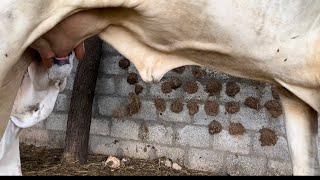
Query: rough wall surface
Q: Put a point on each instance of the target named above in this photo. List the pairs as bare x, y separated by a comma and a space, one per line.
199, 118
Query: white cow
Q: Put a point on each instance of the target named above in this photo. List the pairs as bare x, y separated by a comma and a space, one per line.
34, 103
268, 40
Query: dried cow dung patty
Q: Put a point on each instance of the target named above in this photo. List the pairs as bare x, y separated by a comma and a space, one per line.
193, 107
124, 63
176, 106
138, 89
179, 70
236, 129
198, 72
176, 83
211, 108
134, 104
191, 87
252, 103
232, 88
232, 107
160, 104
215, 127
274, 107
132, 78
213, 87
268, 137
166, 87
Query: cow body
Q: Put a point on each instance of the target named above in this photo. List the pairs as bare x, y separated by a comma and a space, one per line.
271, 41
34, 102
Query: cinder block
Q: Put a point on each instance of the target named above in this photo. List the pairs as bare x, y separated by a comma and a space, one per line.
100, 127
278, 151
107, 105
205, 160
279, 168
266, 95
105, 86
103, 145
246, 90
70, 82
200, 94
136, 150
147, 111
194, 136
237, 144
175, 154
127, 129
170, 116
155, 91
251, 118
160, 134
201, 118
62, 103
110, 65
57, 122
35, 136
246, 166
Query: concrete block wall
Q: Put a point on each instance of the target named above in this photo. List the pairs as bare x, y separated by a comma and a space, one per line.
242, 133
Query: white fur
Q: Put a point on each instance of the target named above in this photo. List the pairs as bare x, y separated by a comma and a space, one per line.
34, 103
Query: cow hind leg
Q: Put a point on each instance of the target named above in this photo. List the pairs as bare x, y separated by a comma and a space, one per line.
302, 134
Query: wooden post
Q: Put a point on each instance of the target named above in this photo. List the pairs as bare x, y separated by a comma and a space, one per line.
80, 111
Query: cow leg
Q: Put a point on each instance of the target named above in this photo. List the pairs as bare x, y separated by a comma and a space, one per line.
301, 123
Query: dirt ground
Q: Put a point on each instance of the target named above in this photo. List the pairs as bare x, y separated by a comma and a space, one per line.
42, 161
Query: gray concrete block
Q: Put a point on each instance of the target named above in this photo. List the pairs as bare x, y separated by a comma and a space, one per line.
103, 145
62, 103
200, 94
125, 129
201, 118
251, 118
35, 136
279, 168
246, 90
205, 160
266, 95
193, 136
237, 144
147, 111
217, 75
39, 137
57, 139
70, 82
75, 65
110, 65
107, 105
246, 166
100, 127
278, 151
175, 154
279, 125
160, 134
40, 125
57, 122
137, 150
124, 88
155, 91
105, 86
170, 116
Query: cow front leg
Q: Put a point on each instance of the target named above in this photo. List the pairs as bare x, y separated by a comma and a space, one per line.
301, 123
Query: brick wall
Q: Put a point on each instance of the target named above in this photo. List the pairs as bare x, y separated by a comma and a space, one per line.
245, 139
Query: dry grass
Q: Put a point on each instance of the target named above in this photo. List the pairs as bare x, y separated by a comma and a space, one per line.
41, 161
